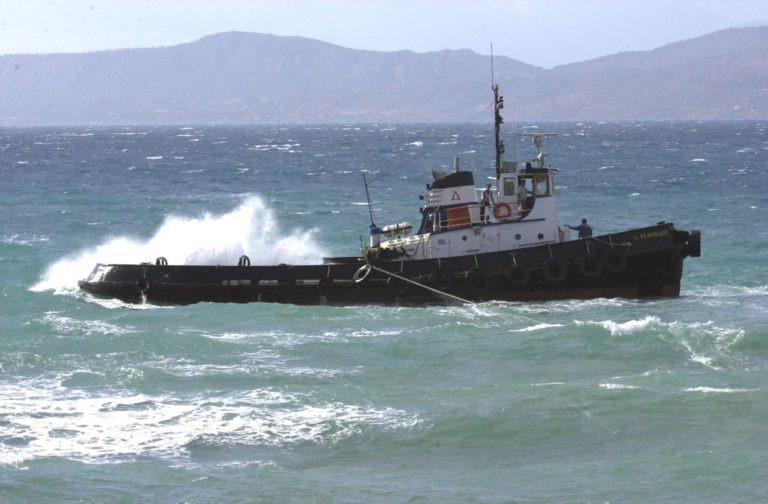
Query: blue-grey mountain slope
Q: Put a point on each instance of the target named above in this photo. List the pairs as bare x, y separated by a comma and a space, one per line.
255, 78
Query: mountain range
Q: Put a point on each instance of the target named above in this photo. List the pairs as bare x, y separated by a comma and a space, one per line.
236, 78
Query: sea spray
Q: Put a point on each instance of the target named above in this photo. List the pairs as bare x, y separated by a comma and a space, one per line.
249, 229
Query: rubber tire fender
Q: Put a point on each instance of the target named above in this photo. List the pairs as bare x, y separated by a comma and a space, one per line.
441, 279
554, 271
615, 260
517, 275
590, 266
693, 247
326, 286
399, 288
477, 280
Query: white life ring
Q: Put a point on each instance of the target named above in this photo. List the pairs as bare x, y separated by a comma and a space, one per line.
502, 211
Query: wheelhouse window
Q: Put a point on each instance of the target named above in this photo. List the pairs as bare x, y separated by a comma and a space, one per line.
541, 185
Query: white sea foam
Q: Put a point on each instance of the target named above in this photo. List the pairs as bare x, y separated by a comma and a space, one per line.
26, 240
49, 421
71, 326
249, 229
618, 386
628, 327
715, 390
536, 327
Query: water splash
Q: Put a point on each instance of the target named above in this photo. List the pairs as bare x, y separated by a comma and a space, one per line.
249, 229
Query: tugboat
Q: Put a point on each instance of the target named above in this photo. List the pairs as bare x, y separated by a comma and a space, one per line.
464, 249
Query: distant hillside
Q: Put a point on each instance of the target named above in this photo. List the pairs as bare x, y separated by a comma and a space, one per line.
254, 78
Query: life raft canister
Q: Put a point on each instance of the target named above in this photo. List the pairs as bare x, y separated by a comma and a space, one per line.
502, 211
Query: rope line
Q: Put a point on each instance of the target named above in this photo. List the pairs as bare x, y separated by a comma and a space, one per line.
436, 291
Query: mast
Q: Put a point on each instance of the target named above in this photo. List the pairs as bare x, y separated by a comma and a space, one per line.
368, 198
498, 104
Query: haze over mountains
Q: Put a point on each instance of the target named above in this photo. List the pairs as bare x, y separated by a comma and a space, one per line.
238, 77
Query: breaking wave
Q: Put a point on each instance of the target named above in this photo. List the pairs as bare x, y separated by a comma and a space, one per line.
249, 229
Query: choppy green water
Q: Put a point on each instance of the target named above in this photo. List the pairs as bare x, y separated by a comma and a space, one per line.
597, 401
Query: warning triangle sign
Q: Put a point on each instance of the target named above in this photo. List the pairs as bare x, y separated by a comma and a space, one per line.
455, 196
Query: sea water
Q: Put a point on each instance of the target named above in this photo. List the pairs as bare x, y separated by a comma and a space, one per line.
607, 400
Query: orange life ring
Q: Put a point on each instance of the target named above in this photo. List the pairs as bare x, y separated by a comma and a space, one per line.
502, 211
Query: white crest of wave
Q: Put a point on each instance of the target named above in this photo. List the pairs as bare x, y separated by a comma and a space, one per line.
629, 327
536, 327
249, 229
52, 421
618, 386
716, 390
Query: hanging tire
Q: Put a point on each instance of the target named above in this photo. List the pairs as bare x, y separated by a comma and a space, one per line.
441, 279
517, 275
400, 288
244, 261
477, 280
362, 275
693, 247
590, 266
554, 271
161, 261
615, 260
326, 286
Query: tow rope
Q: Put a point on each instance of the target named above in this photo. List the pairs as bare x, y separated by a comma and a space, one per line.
437, 291
431, 289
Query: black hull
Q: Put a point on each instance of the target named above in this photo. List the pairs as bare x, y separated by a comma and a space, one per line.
639, 263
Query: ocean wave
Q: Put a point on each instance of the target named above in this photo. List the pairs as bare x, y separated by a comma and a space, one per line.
725, 292
249, 229
716, 390
67, 325
25, 240
572, 305
263, 364
50, 422
536, 327
618, 386
705, 343
628, 327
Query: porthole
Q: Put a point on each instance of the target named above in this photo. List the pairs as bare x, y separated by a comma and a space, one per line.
518, 237
541, 236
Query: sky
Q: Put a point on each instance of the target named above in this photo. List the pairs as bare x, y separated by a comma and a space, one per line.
545, 33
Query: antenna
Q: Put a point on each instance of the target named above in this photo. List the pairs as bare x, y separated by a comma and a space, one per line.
492, 73
368, 197
498, 104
